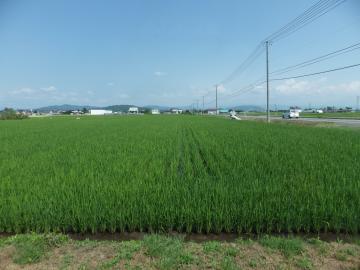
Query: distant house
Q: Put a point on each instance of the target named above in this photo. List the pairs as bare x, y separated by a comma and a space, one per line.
296, 109
223, 111
74, 112
155, 111
212, 111
99, 112
176, 111
133, 110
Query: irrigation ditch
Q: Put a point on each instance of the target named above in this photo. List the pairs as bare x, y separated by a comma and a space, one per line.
202, 237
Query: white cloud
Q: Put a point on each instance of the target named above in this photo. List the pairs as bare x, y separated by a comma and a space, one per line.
349, 87
320, 91
199, 91
24, 90
124, 96
322, 80
160, 73
296, 87
221, 89
33, 92
293, 86
110, 84
48, 89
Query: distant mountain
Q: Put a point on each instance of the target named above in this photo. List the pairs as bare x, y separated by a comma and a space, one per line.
159, 107
64, 107
118, 108
125, 107
114, 108
247, 108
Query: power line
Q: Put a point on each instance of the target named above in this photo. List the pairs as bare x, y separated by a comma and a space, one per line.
315, 73
249, 88
244, 65
252, 86
245, 89
298, 19
316, 11
309, 21
317, 59
319, 9
210, 102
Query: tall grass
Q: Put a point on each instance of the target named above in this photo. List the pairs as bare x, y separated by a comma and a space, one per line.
159, 173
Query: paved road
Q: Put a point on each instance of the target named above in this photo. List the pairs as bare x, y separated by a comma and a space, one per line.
339, 122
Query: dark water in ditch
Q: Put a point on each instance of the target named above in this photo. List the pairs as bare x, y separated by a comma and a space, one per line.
197, 237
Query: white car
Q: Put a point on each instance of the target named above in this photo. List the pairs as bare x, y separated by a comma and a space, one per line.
290, 114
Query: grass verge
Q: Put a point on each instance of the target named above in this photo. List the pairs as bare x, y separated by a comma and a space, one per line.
56, 251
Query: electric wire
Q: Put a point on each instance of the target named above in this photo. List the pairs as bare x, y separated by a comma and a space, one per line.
315, 73
317, 59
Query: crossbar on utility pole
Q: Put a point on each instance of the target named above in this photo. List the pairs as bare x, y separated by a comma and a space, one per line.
267, 83
216, 92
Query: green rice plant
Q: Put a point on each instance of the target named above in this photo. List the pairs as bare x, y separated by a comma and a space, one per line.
183, 173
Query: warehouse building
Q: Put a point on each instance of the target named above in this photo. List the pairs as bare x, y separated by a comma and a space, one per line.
99, 112
133, 110
176, 111
155, 111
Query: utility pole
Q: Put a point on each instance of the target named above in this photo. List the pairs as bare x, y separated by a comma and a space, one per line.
357, 103
267, 83
216, 90
203, 105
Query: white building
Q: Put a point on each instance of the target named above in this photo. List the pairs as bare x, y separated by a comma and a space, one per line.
212, 111
99, 112
155, 111
133, 110
176, 111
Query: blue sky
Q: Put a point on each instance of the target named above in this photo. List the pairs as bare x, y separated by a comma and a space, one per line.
167, 52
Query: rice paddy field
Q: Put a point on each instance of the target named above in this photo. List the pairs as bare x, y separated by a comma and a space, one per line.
177, 173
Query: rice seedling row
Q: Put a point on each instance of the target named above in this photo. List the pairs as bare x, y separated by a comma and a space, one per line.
190, 174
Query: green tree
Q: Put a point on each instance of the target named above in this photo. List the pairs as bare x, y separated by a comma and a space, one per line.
11, 114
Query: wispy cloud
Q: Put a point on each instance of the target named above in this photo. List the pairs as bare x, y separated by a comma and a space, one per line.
221, 89
160, 73
122, 95
296, 87
49, 89
24, 90
110, 84
349, 87
293, 86
33, 91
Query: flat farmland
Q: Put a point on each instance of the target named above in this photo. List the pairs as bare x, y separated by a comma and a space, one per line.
182, 173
